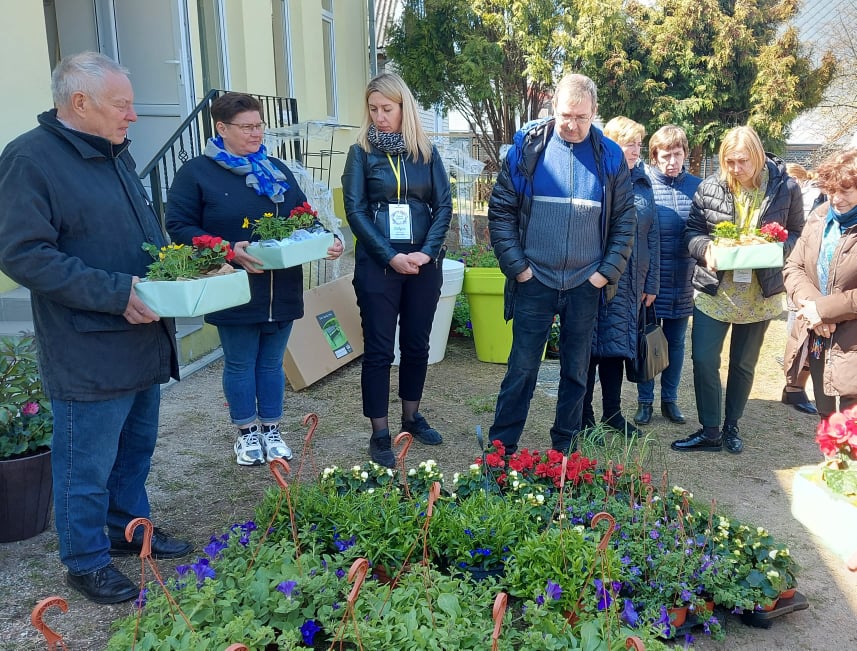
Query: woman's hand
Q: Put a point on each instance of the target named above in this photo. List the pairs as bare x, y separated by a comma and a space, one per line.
250, 264
335, 250
403, 264
710, 263
648, 299
419, 258
809, 311
824, 329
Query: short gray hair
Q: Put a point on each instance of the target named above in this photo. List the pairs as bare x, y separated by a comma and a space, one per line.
578, 88
83, 72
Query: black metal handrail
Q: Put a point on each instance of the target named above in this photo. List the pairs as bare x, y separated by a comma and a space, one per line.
188, 141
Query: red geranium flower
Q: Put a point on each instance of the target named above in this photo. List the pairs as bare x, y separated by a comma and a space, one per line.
774, 232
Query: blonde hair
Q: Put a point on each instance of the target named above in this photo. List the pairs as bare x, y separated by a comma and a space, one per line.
624, 130
746, 139
667, 137
578, 87
392, 87
797, 171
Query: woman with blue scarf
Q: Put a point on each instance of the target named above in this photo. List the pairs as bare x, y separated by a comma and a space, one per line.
213, 194
821, 279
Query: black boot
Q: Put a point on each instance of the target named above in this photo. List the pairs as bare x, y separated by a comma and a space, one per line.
644, 413
381, 450
617, 421
671, 412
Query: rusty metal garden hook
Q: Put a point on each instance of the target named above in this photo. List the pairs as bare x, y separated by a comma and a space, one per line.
53, 638
148, 532
611, 521
404, 439
310, 420
498, 612
277, 468
357, 574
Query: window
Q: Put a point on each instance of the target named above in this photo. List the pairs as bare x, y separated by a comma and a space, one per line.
329, 47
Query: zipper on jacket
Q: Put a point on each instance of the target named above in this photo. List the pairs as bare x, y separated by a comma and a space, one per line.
271, 297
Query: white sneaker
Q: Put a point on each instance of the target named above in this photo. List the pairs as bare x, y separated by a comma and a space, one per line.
248, 450
273, 444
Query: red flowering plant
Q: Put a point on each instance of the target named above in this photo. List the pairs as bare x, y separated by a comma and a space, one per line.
774, 232
281, 227
207, 256
837, 439
26, 423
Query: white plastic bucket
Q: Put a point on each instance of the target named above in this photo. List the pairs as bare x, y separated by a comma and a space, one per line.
453, 279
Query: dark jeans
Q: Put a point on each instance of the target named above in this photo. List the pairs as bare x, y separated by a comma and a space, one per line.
610, 372
825, 404
100, 459
386, 297
675, 331
535, 307
707, 337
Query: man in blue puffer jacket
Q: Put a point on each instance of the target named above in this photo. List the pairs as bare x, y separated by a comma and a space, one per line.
562, 222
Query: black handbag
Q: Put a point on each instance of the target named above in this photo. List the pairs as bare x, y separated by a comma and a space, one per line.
652, 351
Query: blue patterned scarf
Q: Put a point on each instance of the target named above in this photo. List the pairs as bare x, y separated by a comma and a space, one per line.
260, 173
834, 226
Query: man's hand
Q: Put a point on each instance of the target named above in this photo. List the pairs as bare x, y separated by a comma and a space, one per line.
525, 275
648, 299
137, 312
598, 280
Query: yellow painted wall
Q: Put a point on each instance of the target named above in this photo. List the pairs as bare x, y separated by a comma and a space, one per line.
24, 67
26, 74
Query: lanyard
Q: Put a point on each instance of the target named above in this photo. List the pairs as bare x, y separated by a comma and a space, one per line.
398, 174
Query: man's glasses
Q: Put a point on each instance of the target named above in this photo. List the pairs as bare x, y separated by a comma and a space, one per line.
580, 120
249, 128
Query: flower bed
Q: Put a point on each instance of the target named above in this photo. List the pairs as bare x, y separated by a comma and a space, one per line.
591, 554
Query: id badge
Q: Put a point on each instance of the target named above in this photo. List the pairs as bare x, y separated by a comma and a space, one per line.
742, 275
400, 222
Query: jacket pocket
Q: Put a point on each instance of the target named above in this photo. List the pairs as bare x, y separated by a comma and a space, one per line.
99, 322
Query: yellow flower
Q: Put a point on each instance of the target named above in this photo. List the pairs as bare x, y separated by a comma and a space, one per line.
267, 215
246, 223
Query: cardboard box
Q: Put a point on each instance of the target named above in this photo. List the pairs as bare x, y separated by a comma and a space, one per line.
749, 256
291, 253
327, 337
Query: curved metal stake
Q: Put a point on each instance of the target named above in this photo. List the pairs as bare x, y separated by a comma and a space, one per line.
634, 642
237, 647
148, 531
310, 420
852, 562
278, 467
403, 439
498, 612
357, 574
53, 639
611, 521
434, 493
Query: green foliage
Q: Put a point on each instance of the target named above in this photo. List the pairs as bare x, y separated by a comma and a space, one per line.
280, 227
26, 422
179, 261
477, 255
461, 323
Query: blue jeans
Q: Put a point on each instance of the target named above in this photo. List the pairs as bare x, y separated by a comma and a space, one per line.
253, 379
675, 331
100, 460
535, 307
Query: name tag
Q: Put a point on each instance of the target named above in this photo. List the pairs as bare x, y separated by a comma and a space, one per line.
400, 222
742, 275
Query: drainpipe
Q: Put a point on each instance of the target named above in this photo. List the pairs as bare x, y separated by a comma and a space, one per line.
373, 46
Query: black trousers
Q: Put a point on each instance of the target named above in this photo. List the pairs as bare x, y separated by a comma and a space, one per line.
387, 298
610, 373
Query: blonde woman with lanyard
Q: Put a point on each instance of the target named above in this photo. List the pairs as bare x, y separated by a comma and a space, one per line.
398, 205
752, 189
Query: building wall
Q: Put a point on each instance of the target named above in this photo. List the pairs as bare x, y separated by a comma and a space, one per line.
24, 67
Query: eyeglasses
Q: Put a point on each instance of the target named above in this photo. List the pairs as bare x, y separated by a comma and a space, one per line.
579, 120
249, 128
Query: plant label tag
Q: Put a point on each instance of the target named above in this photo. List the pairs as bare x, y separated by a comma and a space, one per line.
742, 275
400, 222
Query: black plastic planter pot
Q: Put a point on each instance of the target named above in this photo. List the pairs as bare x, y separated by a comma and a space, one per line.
25, 496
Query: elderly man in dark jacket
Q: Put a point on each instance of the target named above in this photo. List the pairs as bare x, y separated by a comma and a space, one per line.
73, 216
562, 222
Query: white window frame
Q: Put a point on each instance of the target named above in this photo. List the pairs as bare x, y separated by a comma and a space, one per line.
331, 96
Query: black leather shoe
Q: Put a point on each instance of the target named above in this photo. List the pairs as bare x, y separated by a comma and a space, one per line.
163, 546
671, 412
800, 401
618, 422
699, 441
105, 586
644, 414
380, 449
731, 440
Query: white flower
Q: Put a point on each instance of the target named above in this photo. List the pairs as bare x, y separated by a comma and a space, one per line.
371, 490
475, 466
455, 478
355, 468
412, 472
540, 498
364, 475
389, 472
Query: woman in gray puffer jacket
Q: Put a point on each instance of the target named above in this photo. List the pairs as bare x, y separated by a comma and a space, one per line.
615, 337
751, 191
